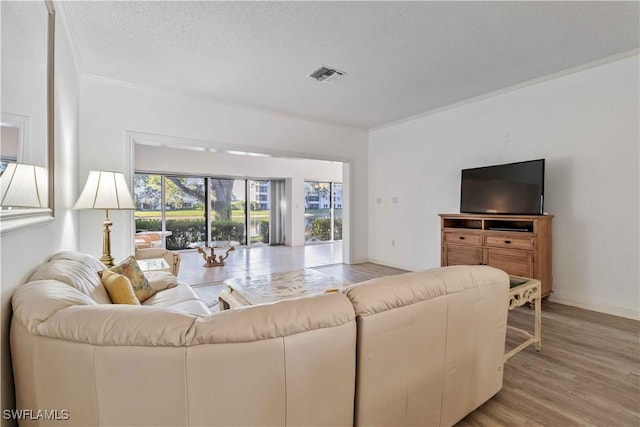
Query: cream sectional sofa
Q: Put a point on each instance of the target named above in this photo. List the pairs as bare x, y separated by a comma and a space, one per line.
416, 349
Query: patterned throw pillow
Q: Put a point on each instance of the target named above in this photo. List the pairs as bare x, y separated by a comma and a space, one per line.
130, 268
119, 288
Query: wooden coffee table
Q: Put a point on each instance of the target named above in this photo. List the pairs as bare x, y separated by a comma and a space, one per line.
526, 291
240, 292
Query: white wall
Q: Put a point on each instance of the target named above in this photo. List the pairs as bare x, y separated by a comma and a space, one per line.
111, 109
24, 76
294, 171
24, 94
586, 126
24, 249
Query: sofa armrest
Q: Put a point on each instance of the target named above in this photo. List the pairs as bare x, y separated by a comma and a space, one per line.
172, 257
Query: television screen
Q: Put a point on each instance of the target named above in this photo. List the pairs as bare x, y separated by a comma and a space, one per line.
514, 188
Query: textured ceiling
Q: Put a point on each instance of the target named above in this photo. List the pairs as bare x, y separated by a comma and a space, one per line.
23, 31
401, 58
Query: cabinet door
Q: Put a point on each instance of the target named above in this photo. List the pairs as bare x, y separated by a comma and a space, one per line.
461, 255
517, 263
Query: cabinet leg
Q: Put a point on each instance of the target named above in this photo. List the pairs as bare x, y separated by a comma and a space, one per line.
538, 320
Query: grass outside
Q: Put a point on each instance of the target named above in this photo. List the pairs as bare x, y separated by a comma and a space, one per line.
320, 213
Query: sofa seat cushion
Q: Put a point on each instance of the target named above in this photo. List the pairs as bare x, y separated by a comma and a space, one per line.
161, 280
175, 297
197, 308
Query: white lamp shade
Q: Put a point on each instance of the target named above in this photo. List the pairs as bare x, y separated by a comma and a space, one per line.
105, 190
24, 186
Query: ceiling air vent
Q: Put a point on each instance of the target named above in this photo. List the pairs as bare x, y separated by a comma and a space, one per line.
326, 75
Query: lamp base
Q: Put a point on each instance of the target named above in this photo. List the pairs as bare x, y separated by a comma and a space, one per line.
106, 258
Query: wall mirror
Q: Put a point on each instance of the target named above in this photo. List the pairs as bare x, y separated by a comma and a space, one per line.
26, 113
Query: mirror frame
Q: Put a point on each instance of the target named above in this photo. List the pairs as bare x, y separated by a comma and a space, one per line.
19, 218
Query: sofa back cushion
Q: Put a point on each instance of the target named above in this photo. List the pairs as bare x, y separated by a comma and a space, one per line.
38, 300
77, 270
266, 321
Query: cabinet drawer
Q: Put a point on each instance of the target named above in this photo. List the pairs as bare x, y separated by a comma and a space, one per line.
464, 238
516, 263
510, 241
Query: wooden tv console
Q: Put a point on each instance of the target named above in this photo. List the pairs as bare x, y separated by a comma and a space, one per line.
517, 244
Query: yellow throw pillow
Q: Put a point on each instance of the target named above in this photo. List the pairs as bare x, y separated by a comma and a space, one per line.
119, 288
130, 268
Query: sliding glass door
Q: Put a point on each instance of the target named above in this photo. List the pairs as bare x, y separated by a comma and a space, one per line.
184, 201
195, 209
322, 211
147, 196
337, 210
259, 211
227, 214
173, 205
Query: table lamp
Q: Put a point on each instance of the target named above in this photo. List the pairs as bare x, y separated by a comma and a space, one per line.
105, 190
24, 186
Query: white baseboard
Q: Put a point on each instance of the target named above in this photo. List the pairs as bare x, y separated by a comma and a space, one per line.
358, 261
615, 311
388, 264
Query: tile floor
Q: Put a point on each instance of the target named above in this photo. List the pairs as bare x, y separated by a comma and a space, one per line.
207, 281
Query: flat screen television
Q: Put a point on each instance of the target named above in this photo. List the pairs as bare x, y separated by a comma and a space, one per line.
514, 188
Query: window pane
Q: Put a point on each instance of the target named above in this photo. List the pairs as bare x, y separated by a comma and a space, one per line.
259, 212
228, 220
184, 211
317, 211
147, 196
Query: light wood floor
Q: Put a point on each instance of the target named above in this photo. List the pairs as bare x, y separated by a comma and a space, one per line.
587, 374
